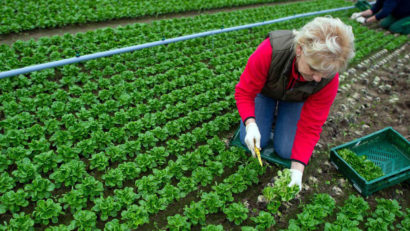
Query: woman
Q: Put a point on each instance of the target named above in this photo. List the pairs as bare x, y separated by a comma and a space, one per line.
296, 73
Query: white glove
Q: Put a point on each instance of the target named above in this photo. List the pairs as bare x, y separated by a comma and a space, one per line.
296, 176
253, 137
355, 15
362, 20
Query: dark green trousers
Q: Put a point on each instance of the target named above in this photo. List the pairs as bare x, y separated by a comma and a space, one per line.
394, 25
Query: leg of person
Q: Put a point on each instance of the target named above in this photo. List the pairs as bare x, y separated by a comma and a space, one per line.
401, 26
264, 111
285, 129
387, 21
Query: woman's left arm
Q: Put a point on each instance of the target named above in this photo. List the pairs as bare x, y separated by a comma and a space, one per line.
314, 114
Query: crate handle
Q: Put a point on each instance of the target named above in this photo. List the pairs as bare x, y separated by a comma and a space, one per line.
357, 188
333, 163
357, 144
394, 178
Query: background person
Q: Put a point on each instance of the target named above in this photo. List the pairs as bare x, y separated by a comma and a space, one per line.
297, 73
395, 15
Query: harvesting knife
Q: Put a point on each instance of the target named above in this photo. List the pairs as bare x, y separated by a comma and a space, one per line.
258, 153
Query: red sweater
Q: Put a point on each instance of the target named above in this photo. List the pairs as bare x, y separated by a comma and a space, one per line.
314, 111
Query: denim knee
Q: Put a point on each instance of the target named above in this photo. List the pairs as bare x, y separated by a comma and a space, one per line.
284, 151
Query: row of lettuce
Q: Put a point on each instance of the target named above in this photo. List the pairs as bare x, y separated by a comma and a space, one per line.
19, 15
24, 53
113, 142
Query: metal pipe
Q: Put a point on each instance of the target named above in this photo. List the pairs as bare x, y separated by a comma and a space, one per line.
153, 44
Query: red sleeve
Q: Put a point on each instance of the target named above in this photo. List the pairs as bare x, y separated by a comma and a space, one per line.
314, 114
253, 79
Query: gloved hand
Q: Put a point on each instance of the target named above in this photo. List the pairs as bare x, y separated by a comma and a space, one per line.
355, 15
362, 20
296, 176
253, 137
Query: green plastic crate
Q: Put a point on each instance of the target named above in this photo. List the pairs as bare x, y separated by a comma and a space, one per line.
267, 153
387, 149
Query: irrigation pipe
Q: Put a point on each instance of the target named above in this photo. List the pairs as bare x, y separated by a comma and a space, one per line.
97, 55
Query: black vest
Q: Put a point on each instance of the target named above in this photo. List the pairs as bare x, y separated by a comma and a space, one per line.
280, 70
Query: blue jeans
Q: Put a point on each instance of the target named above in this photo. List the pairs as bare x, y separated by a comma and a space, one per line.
286, 123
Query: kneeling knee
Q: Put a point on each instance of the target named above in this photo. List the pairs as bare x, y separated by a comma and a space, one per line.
283, 151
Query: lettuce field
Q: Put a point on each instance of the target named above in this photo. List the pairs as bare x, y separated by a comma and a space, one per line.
140, 140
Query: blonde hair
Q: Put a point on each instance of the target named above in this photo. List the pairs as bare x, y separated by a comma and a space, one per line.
327, 43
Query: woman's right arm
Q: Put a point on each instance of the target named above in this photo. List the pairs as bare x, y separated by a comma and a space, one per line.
252, 80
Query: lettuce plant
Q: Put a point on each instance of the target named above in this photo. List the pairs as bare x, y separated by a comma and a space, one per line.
113, 178
6, 182
69, 173
46, 210
74, 199
153, 203
224, 192
114, 225
196, 212
384, 215
39, 188
46, 161
280, 192
13, 201
108, 207
135, 216
21, 221
125, 196
236, 212
90, 187
99, 161
26, 171
84, 220
213, 228
178, 223
212, 202
264, 220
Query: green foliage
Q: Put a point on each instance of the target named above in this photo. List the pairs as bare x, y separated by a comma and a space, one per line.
280, 192
178, 223
99, 161
108, 207
113, 178
135, 216
26, 171
74, 199
236, 212
39, 188
90, 187
46, 161
366, 168
212, 202
384, 215
213, 228
264, 220
69, 173
6, 182
46, 210
12, 201
84, 220
196, 212
126, 196
114, 225
314, 213
21, 221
